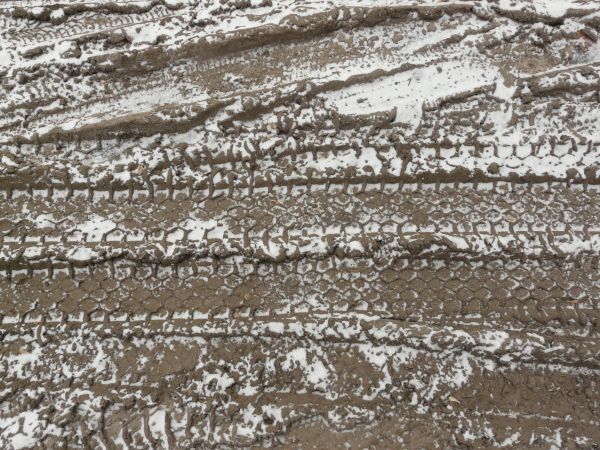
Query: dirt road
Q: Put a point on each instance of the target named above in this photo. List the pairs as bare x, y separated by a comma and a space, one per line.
299, 224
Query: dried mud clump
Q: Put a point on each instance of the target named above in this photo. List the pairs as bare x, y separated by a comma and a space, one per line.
299, 224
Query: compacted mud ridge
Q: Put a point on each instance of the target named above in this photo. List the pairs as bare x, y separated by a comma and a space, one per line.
299, 224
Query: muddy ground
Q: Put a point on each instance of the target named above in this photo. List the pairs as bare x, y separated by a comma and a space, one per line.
299, 224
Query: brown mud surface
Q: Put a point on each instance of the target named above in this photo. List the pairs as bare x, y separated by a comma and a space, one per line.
299, 224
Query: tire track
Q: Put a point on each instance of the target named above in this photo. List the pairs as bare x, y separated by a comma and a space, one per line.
297, 224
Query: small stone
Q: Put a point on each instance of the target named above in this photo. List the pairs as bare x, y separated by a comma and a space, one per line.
493, 169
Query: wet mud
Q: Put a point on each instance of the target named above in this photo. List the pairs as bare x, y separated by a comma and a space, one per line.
299, 224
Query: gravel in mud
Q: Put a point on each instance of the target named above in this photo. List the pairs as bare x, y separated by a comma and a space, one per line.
299, 224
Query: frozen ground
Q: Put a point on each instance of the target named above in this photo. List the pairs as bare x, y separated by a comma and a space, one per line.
299, 224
